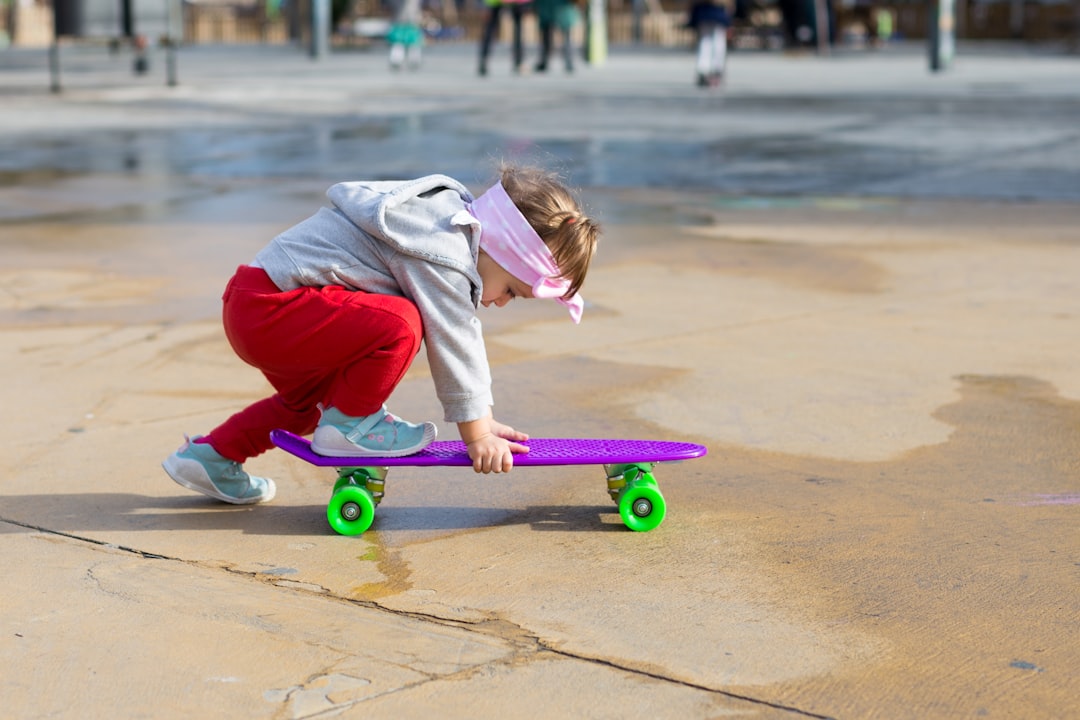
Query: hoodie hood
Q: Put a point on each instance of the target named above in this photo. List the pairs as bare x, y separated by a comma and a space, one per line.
425, 218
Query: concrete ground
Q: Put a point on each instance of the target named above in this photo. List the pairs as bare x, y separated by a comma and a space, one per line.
853, 281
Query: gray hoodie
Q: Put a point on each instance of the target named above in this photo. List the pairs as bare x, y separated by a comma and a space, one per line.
413, 239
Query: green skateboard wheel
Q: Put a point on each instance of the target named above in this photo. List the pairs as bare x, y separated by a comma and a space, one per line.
642, 507
351, 510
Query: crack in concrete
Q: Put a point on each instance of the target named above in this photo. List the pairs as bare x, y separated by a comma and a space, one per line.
319, 695
92, 541
526, 645
688, 684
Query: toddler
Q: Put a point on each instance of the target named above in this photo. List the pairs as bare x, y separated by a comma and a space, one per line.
333, 311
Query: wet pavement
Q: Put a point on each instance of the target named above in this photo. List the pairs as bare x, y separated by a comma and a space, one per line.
859, 124
854, 281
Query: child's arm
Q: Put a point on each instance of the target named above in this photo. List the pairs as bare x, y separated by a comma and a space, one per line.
491, 444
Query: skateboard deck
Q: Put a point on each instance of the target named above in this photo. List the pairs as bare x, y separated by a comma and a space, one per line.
628, 465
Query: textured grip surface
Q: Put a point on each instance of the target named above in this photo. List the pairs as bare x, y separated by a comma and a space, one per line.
542, 451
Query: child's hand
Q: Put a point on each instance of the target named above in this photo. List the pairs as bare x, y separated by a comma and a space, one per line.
509, 433
492, 445
493, 454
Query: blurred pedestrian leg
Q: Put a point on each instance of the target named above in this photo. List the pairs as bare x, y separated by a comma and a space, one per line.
491, 27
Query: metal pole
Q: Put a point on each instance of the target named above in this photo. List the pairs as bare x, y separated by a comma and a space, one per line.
173, 20
320, 28
821, 27
941, 34
597, 29
932, 31
127, 19
54, 65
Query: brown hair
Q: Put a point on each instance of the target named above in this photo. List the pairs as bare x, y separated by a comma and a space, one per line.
553, 212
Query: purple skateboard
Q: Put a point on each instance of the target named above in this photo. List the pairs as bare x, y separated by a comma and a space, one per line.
627, 463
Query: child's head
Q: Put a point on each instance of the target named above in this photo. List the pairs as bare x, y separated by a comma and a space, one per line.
532, 227
554, 213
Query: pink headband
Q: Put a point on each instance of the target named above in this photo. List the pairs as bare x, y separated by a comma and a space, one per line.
510, 240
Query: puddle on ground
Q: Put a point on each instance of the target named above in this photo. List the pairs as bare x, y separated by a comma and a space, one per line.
840, 152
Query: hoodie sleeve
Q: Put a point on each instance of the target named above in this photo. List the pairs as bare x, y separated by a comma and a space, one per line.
452, 335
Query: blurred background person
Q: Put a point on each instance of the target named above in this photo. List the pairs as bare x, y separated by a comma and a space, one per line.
709, 20
491, 27
406, 35
552, 15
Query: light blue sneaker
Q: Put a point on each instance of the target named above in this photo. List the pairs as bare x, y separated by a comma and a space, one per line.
199, 467
377, 435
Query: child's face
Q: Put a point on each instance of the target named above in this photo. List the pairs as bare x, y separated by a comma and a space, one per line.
500, 287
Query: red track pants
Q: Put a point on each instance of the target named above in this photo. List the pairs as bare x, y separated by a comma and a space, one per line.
342, 348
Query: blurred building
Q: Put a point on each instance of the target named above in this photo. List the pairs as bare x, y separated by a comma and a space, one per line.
761, 24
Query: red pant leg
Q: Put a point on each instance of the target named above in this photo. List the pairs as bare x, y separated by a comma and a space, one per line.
342, 348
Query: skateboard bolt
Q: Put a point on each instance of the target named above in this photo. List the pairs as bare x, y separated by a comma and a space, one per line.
642, 507
350, 511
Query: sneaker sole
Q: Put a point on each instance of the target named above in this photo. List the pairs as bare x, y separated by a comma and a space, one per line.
174, 467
